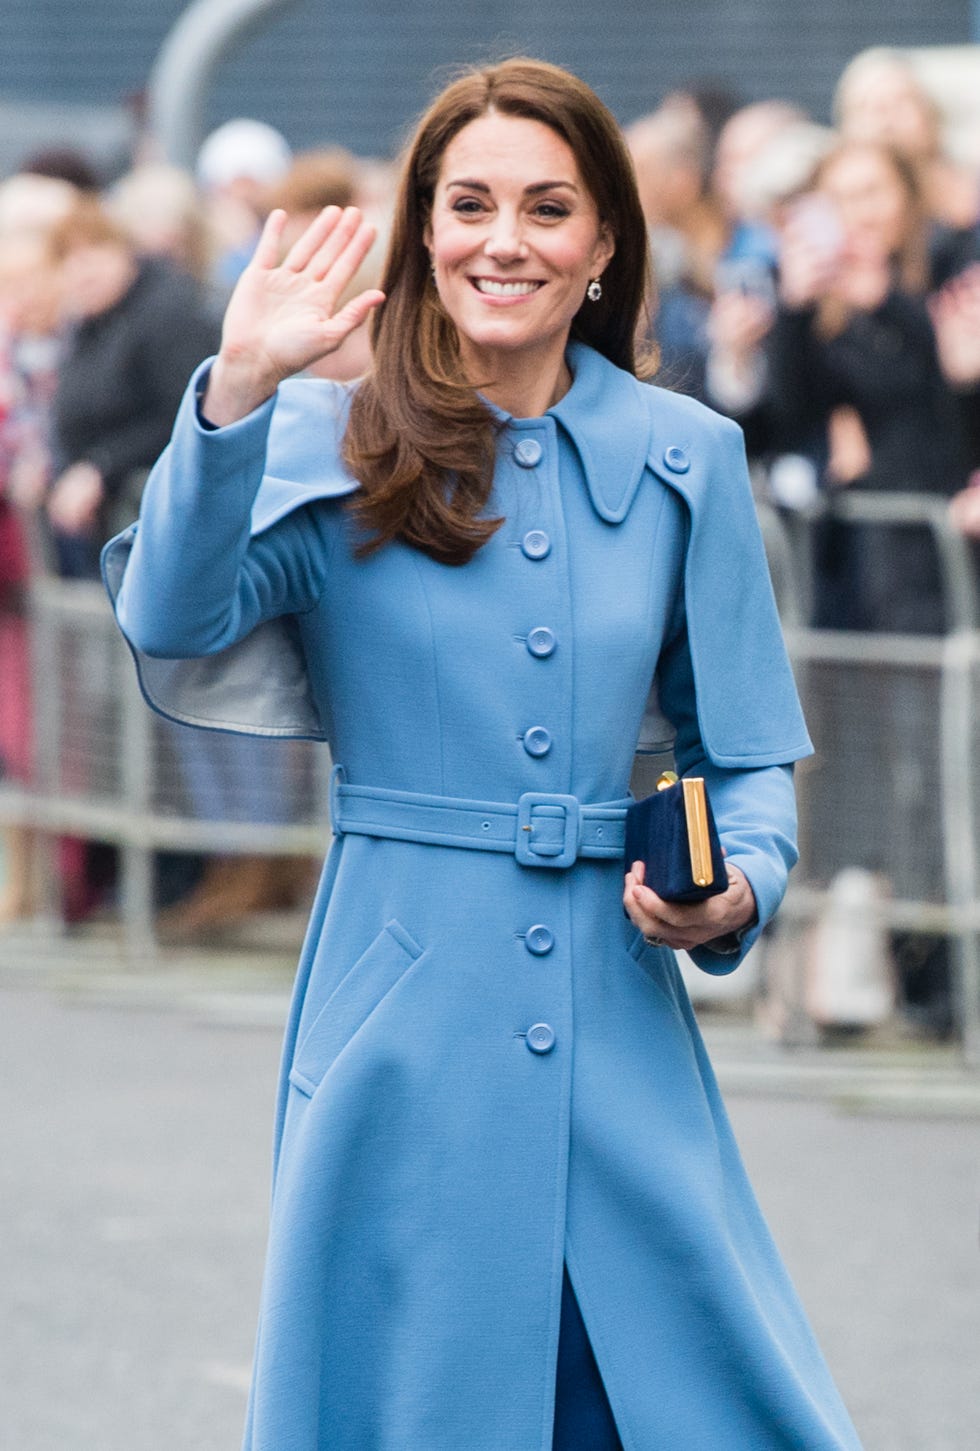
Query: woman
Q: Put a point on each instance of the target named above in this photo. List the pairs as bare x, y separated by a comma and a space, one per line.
136, 325
467, 574
853, 350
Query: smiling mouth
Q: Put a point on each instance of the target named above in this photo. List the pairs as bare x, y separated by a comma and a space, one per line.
491, 288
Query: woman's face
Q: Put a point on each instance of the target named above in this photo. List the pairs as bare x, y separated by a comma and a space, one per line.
871, 201
515, 238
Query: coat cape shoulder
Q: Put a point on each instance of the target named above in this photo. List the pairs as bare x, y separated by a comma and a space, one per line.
628, 435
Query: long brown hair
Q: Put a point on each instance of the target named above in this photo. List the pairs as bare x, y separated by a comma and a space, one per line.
419, 439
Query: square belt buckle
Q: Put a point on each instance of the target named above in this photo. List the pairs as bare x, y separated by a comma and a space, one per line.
547, 853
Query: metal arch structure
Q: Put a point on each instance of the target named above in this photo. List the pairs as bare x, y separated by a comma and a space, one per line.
188, 58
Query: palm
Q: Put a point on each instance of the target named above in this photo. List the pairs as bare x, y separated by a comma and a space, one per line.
283, 315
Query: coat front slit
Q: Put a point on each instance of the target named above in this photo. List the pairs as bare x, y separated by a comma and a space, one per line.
487, 1074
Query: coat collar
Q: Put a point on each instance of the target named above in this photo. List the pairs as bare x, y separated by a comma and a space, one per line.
607, 415
618, 426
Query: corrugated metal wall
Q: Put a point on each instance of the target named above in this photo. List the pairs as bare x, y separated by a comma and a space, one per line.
358, 72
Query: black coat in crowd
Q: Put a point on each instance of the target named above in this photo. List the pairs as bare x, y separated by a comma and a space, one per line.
122, 378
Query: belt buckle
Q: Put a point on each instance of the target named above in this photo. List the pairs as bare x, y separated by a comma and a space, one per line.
548, 854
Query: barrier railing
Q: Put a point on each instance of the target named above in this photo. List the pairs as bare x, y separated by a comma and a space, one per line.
107, 769
893, 786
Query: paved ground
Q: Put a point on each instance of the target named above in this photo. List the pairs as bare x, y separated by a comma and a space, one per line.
133, 1180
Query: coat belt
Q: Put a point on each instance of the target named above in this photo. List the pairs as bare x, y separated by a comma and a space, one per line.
541, 828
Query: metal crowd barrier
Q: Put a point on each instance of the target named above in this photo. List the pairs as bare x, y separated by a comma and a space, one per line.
893, 787
108, 769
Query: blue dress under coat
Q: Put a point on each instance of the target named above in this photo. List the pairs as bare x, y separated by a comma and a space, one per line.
436, 1162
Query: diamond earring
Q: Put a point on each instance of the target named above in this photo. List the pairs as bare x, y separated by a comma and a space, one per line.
594, 290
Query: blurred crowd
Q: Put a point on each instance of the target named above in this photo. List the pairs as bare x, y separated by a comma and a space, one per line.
819, 284
110, 295
822, 286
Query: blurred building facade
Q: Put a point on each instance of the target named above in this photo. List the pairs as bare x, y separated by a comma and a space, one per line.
357, 75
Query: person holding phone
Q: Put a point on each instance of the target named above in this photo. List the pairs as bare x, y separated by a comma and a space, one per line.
508, 1210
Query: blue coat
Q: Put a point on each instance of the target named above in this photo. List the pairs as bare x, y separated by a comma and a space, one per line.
487, 1072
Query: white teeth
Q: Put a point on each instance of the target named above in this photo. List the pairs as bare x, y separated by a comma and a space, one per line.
504, 289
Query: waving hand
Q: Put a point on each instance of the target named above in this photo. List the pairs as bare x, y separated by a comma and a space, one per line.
283, 315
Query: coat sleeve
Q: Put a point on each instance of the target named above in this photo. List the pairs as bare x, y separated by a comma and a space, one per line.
207, 585
195, 581
725, 684
754, 808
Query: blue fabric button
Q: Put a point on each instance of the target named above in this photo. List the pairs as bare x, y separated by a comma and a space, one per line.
677, 460
541, 641
535, 544
539, 939
528, 452
540, 1038
537, 741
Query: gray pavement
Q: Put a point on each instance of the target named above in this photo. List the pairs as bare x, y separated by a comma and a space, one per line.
134, 1146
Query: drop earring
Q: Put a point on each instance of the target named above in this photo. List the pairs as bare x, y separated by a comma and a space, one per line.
594, 290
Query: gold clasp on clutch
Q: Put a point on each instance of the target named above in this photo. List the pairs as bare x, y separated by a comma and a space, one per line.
698, 838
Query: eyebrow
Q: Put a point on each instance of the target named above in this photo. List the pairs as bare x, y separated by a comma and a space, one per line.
539, 186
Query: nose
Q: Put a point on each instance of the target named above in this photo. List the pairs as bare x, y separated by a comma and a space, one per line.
505, 242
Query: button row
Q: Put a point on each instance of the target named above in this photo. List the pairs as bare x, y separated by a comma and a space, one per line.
538, 940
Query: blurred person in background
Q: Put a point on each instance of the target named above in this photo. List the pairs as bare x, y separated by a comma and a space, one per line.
63, 163
713, 102
708, 232
133, 329
136, 328
236, 167
847, 372
854, 345
162, 212
853, 350
29, 207
741, 143
842, 367
880, 99
744, 307
671, 151
316, 179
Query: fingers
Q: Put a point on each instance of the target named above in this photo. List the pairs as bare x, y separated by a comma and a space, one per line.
343, 252
266, 253
306, 246
330, 252
685, 925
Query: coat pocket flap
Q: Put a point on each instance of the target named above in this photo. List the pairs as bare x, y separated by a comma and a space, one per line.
358, 994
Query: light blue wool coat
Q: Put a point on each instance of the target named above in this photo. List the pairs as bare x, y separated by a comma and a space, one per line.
436, 1159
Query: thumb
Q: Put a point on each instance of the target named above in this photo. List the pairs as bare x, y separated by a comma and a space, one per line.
354, 313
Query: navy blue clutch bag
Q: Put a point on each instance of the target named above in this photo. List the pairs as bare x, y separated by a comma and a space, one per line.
673, 833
